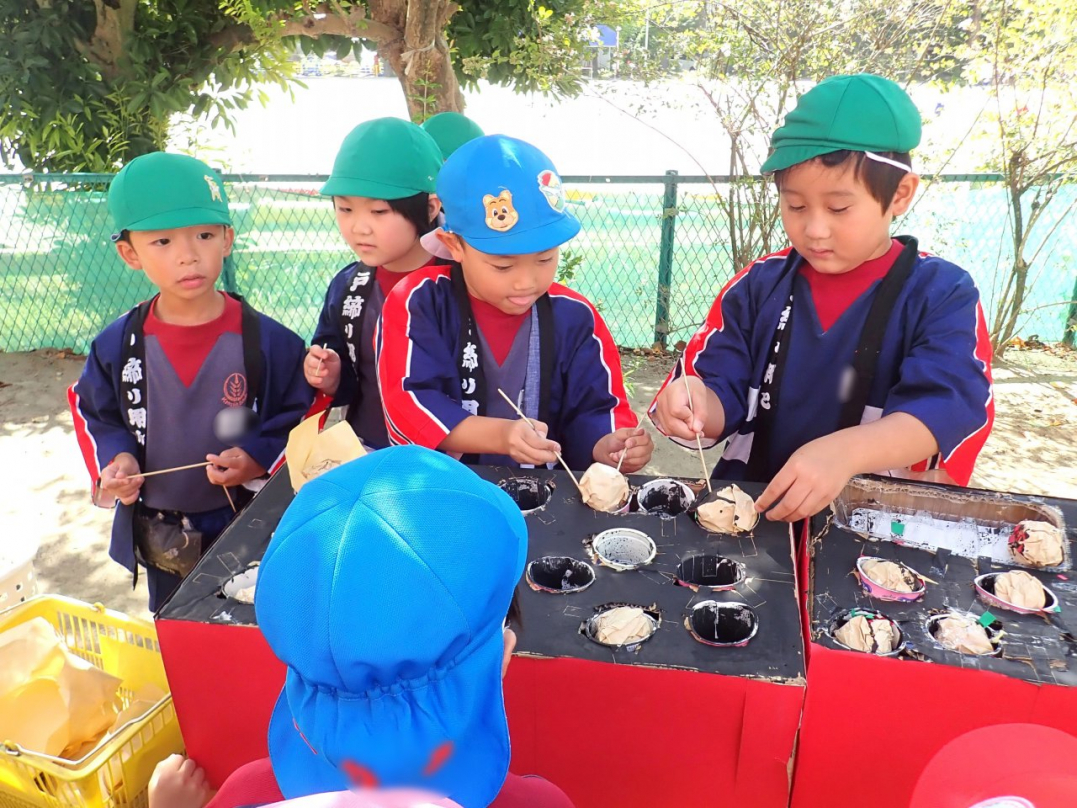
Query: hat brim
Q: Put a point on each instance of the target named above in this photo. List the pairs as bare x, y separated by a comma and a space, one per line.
525, 242
474, 772
432, 244
791, 155
348, 186
186, 217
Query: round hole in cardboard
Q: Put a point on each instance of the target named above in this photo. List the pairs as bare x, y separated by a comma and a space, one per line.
985, 588
241, 586
729, 625
624, 549
559, 574
621, 625
664, 497
529, 493
963, 629
710, 570
883, 636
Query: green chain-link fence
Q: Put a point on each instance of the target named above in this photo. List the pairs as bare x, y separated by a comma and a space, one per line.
655, 251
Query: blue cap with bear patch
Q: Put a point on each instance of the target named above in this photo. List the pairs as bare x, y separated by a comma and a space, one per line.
504, 197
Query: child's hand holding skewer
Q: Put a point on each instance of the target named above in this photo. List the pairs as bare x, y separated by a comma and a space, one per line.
121, 479
682, 409
232, 467
528, 444
322, 369
629, 449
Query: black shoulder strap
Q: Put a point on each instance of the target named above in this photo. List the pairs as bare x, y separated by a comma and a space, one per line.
468, 350
253, 360
771, 382
546, 355
353, 308
870, 345
133, 377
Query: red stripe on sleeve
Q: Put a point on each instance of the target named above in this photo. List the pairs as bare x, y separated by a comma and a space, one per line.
87, 444
411, 421
962, 460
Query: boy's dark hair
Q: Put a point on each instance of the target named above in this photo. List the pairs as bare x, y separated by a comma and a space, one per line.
880, 179
416, 210
514, 619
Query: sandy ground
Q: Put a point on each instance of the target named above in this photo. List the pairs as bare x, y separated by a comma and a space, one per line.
1033, 449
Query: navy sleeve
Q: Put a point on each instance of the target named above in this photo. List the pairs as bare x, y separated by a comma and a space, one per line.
417, 372
286, 396
945, 381
96, 408
595, 402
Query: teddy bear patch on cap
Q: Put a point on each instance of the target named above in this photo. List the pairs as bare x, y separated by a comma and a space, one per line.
500, 213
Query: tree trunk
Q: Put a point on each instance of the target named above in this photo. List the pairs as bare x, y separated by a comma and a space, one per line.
1071, 319
420, 57
427, 78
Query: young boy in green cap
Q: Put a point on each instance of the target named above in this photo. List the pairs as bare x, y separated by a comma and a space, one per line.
382, 187
157, 377
451, 130
851, 351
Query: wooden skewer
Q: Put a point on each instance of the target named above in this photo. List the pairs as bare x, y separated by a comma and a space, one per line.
230, 502
621, 459
531, 423
169, 471
699, 440
317, 370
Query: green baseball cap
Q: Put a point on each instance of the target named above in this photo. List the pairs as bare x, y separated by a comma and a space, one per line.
451, 130
864, 113
387, 158
160, 191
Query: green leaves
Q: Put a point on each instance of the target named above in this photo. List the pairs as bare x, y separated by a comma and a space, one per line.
79, 93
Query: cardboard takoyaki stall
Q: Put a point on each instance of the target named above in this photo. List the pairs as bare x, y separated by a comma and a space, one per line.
661, 635
659, 661
933, 611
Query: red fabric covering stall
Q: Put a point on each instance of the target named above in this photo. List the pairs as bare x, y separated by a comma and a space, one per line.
632, 736
224, 678
871, 724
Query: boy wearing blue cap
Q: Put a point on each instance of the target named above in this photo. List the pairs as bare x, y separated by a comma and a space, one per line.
394, 637
851, 351
382, 188
157, 377
453, 338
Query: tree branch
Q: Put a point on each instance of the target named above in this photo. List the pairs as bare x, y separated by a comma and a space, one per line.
328, 21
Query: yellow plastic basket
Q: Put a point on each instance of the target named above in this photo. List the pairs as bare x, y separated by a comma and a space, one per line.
116, 773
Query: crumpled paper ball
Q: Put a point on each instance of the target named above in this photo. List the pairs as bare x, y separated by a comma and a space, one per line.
872, 636
730, 511
1038, 543
1020, 589
604, 488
